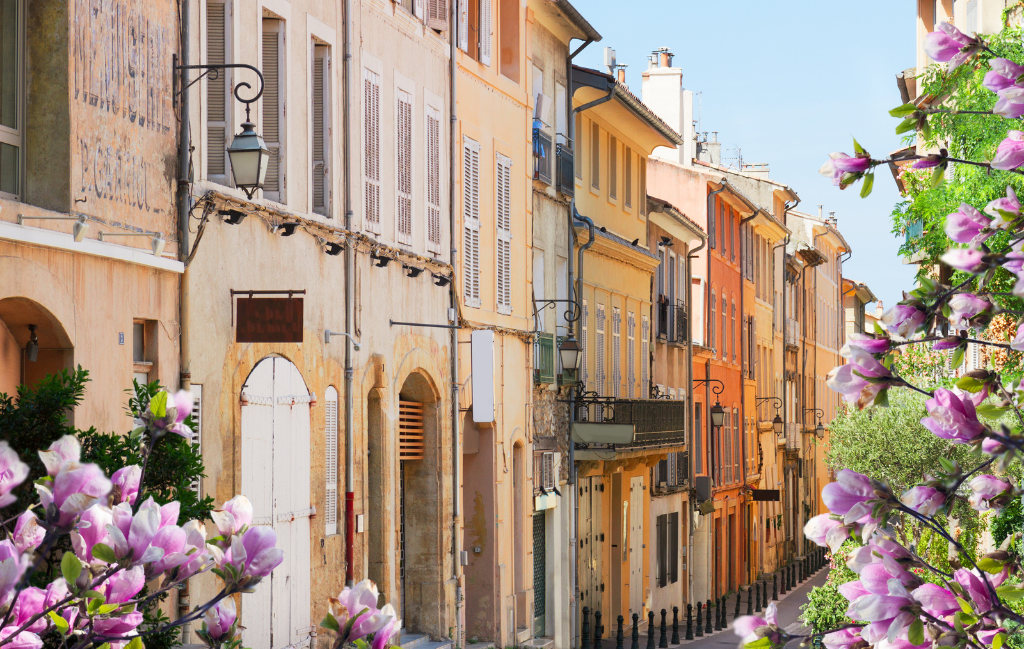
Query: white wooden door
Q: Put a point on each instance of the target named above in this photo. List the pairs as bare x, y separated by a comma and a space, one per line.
636, 549
586, 543
275, 470
597, 546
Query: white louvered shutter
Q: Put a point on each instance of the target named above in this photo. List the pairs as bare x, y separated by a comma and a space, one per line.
583, 344
599, 359
471, 222
403, 167
371, 149
631, 354
645, 353
419, 10
547, 464
321, 130
464, 26
433, 180
437, 14
503, 225
217, 90
485, 31
331, 460
273, 109
616, 352
197, 429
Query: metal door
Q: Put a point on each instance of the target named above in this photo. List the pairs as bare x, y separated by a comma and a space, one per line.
275, 470
539, 574
636, 543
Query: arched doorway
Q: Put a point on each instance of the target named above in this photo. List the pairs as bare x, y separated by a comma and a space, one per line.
33, 343
275, 477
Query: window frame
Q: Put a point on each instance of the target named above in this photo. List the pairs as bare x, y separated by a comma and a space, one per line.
15, 137
226, 77
321, 51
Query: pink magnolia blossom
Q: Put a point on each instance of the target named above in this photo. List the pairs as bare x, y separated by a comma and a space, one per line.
1018, 339
936, 600
1010, 103
126, 484
849, 489
869, 343
924, 500
975, 589
967, 225
840, 164
220, 619
23, 640
875, 550
28, 534
146, 536
30, 602
851, 379
12, 473
233, 516
179, 407
888, 615
842, 639
902, 320
969, 260
372, 621
947, 44
952, 417
965, 306
65, 451
387, 633
1005, 211
1003, 75
1010, 153
12, 567
875, 577
253, 554
751, 627
825, 531
927, 162
73, 490
987, 492
91, 529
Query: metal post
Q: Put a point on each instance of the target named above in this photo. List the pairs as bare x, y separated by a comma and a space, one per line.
708, 628
635, 636
689, 621
598, 630
650, 630
585, 633
739, 598
700, 621
750, 600
757, 597
675, 625
618, 635
663, 640
764, 594
718, 614
775, 587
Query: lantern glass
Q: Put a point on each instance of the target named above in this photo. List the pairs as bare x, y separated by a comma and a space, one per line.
569, 352
819, 430
249, 159
717, 415
777, 424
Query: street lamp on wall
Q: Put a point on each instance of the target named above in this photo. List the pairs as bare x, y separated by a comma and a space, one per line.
777, 424
717, 415
716, 411
569, 353
819, 430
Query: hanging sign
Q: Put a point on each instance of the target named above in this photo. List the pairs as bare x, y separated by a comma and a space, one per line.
269, 320
765, 495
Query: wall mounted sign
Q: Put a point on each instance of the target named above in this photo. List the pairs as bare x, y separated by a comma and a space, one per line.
269, 320
765, 495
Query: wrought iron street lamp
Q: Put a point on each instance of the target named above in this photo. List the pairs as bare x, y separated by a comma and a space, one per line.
569, 352
717, 415
819, 430
716, 411
777, 424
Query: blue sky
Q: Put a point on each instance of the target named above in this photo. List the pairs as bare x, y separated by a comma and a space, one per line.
787, 82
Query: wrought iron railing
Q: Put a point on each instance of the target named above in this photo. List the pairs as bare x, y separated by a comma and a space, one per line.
544, 358
681, 333
542, 151
565, 170
656, 422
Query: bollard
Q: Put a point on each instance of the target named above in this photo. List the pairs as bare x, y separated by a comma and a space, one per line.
598, 630
756, 591
792, 580
708, 628
663, 639
775, 587
750, 600
739, 594
782, 586
700, 620
718, 614
675, 625
764, 594
689, 621
725, 612
635, 637
650, 630
585, 631
618, 634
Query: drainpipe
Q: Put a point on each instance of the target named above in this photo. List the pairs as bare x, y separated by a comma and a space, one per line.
692, 254
453, 300
743, 400
184, 198
350, 281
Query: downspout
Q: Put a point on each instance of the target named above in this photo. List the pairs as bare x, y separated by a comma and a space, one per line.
350, 282
184, 198
692, 254
453, 299
783, 244
743, 400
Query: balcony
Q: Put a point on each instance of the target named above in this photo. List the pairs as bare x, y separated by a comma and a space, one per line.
681, 330
672, 323
542, 150
655, 422
564, 164
792, 332
544, 359
914, 231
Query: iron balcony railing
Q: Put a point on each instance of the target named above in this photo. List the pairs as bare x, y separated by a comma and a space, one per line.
565, 170
542, 151
656, 422
544, 358
681, 331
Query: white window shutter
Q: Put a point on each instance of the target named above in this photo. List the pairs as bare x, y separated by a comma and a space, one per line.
616, 352
331, 460
583, 344
471, 222
320, 152
645, 346
197, 429
599, 358
631, 354
437, 15
485, 32
273, 101
403, 167
217, 93
464, 26
503, 225
371, 149
418, 10
433, 163
547, 477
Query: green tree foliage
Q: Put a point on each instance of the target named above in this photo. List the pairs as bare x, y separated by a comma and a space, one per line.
826, 607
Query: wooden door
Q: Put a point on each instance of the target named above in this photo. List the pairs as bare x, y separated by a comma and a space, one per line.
636, 546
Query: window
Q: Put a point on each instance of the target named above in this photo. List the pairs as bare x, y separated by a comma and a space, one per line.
732, 234
321, 149
471, 222
630, 353
583, 344
723, 226
599, 359
371, 149
437, 15
645, 355
714, 311
595, 155
433, 165
578, 132
218, 92
698, 438
642, 167
403, 167
613, 172
627, 177
331, 460
197, 428
616, 352
508, 38
725, 328
274, 98
712, 239
732, 333
144, 353
503, 224
668, 549
475, 29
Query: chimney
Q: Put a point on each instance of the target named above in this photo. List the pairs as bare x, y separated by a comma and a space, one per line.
663, 93
620, 74
820, 216
832, 220
879, 309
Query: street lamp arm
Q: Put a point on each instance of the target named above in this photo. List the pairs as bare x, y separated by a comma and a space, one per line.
717, 387
818, 411
213, 71
777, 400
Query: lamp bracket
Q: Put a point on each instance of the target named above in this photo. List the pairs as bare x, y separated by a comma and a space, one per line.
572, 314
717, 387
213, 72
777, 400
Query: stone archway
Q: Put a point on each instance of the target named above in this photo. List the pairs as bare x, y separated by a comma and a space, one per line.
19, 316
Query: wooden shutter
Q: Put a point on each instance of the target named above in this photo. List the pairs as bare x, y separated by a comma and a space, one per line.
712, 241
631, 354
662, 550
197, 428
321, 129
595, 155
464, 25
331, 460
616, 352
437, 15
583, 344
371, 149
485, 31
403, 167
673, 547
471, 222
273, 103
613, 171
548, 470
732, 333
599, 359
217, 93
645, 353
627, 177
410, 431
642, 184
433, 164
503, 225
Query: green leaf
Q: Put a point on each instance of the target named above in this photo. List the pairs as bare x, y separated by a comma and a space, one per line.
878, 328
991, 411
104, 552
958, 357
926, 129
938, 175
947, 465
964, 605
970, 384
916, 632
331, 623
108, 608
990, 566
882, 398
158, 406
998, 640
761, 643
361, 644
59, 622
857, 148
136, 642
869, 181
70, 568
904, 111
95, 594
94, 605
906, 125
1010, 593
